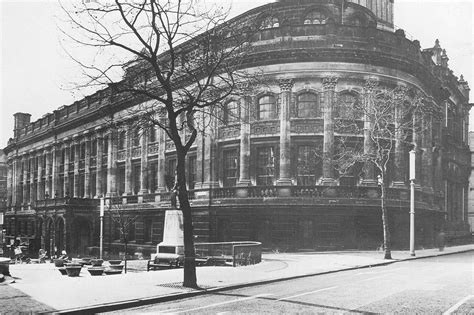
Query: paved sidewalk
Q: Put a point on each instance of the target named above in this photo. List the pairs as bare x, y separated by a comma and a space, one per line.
50, 291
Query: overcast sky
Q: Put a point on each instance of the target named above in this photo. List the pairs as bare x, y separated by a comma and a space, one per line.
36, 73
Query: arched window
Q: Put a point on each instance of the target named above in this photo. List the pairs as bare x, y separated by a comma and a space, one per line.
267, 107
348, 106
315, 17
270, 22
152, 134
136, 137
231, 112
121, 140
357, 21
307, 105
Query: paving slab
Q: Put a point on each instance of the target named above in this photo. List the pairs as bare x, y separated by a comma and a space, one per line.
45, 285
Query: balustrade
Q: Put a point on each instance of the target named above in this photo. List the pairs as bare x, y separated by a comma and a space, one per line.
327, 193
121, 155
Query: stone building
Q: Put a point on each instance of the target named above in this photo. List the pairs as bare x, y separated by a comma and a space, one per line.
255, 176
471, 184
3, 179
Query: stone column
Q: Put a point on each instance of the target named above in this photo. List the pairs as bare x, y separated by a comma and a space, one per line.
66, 192
99, 173
161, 168
32, 178
417, 147
286, 86
39, 188
10, 187
19, 197
77, 151
55, 156
128, 161
112, 164
144, 163
399, 161
244, 168
17, 175
329, 85
369, 168
87, 168
26, 192
47, 191
427, 155
210, 156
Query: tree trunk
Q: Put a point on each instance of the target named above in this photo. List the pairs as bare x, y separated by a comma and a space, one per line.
190, 280
386, 231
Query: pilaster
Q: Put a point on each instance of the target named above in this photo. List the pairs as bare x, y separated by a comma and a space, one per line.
369, 168
67, 152
329, 86
144, 163
286, 85
128, 160
77, 151
244, 168
112, 164
87, 167
99, 171
39, 186
32, 162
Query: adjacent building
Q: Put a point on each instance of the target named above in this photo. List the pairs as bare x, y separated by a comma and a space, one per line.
256, 176
471, 184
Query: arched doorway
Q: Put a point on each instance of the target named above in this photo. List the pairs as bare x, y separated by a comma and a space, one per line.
81, 236
49, 236
59, 234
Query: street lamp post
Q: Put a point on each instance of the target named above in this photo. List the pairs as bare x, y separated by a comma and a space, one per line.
412, 201
101, 243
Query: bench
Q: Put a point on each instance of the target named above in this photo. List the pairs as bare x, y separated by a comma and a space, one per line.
152, 264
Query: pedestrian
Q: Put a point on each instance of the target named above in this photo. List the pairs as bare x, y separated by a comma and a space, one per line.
441, 240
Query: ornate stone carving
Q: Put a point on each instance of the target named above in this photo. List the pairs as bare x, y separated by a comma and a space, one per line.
286, 85
153, 148
329, 83
121, 155
136, 152
371, 85
265, 128
309, 126
229, 132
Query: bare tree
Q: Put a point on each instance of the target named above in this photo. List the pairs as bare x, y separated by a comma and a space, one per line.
182, 61
123, 220
388, 122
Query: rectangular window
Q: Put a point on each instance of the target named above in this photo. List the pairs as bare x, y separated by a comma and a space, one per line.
192, 171
94, 148
170, 173
136, 174
309, 165
147, 230
265, 166
231, 167
153, 176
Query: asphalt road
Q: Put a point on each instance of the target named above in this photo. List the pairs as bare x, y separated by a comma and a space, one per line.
443, 285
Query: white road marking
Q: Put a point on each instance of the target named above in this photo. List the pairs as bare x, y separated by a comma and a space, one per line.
458, 304
169, 311
227, 302
373, 278
306, 293
377, 272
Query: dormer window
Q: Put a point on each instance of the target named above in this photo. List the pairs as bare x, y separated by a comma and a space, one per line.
315, 17
270, 22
